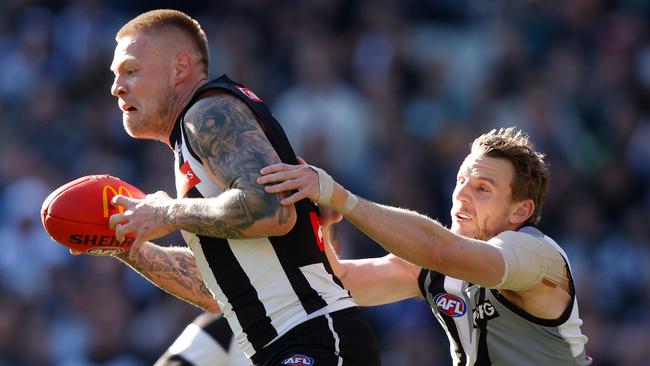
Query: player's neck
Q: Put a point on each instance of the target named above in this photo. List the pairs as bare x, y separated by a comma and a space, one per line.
184, 96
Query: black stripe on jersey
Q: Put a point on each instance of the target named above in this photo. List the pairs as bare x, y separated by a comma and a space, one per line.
193, 193
309, 298
329, 269
237, 287
482, 354
299, 248
216, 326
174, 136
174, 360
437, 286
422, 282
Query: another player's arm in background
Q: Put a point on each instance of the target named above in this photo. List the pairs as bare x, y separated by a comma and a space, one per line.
174, 270
377, 281
225, 133
374, 281
407, 234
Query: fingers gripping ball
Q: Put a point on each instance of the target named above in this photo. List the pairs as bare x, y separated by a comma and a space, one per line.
76, 214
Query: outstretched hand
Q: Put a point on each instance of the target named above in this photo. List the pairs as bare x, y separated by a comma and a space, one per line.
144, 217
287, 177
310, 182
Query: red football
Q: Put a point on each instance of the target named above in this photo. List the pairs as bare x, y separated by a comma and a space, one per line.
76, 214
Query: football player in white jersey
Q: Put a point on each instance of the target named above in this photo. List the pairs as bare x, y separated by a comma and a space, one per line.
500, 288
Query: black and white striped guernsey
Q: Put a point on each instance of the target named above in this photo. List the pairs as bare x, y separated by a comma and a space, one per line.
265, 286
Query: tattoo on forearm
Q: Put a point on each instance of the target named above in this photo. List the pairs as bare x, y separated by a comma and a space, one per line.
225, 133
177, 268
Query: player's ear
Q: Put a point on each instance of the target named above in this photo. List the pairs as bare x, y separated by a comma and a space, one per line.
182, 65
522, 211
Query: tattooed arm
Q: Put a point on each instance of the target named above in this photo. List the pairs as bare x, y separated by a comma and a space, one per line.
174, 270
225, 133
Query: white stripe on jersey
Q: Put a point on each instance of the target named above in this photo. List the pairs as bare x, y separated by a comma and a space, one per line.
320, 280
464, 324
337, 341
441, 320
257, 258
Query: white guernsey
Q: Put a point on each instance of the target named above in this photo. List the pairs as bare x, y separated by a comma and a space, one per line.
484, 328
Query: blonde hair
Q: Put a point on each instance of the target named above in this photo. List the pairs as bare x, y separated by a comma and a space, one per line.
531, 173
166, 19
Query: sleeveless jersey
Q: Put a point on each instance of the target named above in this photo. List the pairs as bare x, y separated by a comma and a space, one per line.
484, 328
264, 286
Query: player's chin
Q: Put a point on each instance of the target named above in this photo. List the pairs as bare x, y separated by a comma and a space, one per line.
131, 126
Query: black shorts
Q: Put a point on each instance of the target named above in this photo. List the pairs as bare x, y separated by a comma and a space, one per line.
342, 338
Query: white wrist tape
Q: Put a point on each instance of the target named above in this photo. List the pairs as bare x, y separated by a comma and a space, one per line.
326, 186
350, 203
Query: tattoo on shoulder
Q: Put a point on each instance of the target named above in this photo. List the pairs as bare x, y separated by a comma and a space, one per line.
225, 133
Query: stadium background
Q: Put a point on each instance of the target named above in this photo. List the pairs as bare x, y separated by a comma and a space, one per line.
384, 94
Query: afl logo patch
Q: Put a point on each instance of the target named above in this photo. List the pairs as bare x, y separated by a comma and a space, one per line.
450, 305
298, 360
105, 251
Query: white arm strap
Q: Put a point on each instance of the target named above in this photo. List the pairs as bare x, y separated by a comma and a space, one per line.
528, 260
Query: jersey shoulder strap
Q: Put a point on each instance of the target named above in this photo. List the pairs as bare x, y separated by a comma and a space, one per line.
271, 127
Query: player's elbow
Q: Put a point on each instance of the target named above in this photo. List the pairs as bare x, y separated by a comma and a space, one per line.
276, 223
212, 307
285, 220
205, 302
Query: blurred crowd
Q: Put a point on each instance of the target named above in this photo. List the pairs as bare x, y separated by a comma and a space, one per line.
386, 95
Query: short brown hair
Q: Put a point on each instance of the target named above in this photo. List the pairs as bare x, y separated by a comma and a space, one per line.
531, 172
161, 19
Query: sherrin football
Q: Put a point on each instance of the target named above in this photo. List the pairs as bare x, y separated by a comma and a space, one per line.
76, 214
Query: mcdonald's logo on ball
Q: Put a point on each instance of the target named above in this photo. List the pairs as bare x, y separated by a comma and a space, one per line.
76, 214
106, 201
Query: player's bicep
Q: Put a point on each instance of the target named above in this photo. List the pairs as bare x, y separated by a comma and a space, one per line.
225, 134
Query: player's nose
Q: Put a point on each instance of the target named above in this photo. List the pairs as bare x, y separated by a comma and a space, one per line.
118, 88
461, 193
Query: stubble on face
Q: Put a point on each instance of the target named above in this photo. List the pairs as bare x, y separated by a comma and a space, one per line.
490, 217
481, 231
154, 93
484, 232
154, 121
